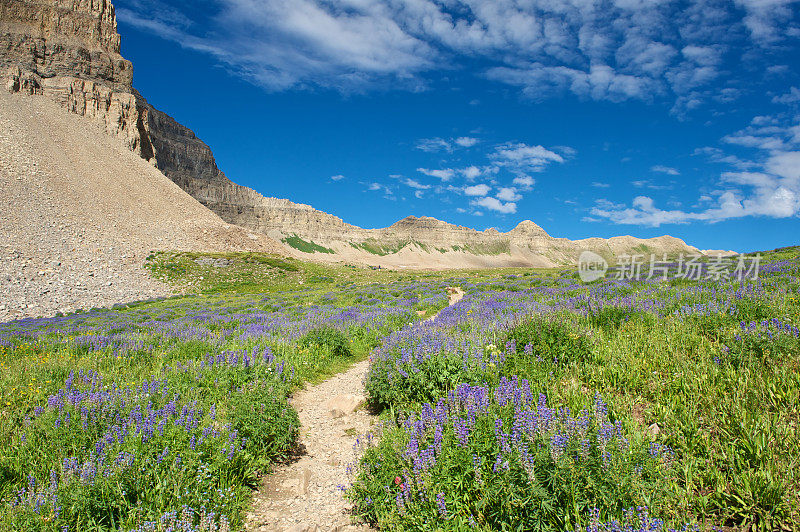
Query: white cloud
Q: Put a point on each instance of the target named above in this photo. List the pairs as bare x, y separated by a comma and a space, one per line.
703, 55
477, 190
767, 187
785, 165
466, 142
471, 172
755, 141
718, 156
521, 158
494, 204
280, 44
434, 144
445, 174
380, 187
516, 159
793, 96
598, 184
599, 82
413, 183
524, 181
665, 170
620, 50
767, 20
337, 177
774, 202
508, 194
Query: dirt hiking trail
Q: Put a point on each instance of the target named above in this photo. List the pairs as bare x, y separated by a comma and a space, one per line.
305, 495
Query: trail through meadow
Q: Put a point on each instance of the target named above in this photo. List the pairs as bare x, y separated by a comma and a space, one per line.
306, 494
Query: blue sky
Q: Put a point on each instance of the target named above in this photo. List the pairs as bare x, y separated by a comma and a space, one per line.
591, 118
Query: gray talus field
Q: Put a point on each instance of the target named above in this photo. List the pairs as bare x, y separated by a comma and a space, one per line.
80, 213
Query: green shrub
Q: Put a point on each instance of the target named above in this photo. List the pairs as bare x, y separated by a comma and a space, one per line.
512, 464
611, 317
711, 325
549, 340
752, 309
759, 347
333, 339
397, 384
261, 415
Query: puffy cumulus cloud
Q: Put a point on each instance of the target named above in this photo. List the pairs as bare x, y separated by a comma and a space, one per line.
774, 202
466, 142
477, 190
471, 172
768, 20
522, 158
508, 194
768, 186
524, 181
607, 50
493, 204
506, 161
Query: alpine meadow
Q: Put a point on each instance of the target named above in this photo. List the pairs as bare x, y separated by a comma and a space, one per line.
399, 265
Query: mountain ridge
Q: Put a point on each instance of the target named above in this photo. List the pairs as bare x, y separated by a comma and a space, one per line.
69, 51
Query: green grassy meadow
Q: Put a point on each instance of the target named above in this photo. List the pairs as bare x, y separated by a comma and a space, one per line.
536, 403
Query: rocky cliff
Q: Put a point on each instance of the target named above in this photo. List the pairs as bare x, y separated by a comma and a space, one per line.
69, 51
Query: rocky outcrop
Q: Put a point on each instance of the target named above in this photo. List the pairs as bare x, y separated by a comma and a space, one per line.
69, 50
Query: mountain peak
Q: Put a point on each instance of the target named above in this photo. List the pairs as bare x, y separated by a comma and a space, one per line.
528, 228
419, 221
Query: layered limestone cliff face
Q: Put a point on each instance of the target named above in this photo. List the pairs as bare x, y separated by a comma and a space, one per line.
69, 51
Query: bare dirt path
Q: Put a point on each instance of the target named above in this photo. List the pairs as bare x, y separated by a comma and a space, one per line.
305, 495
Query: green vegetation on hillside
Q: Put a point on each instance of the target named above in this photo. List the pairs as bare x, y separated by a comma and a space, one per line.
306, 247
382, 249
497, 248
